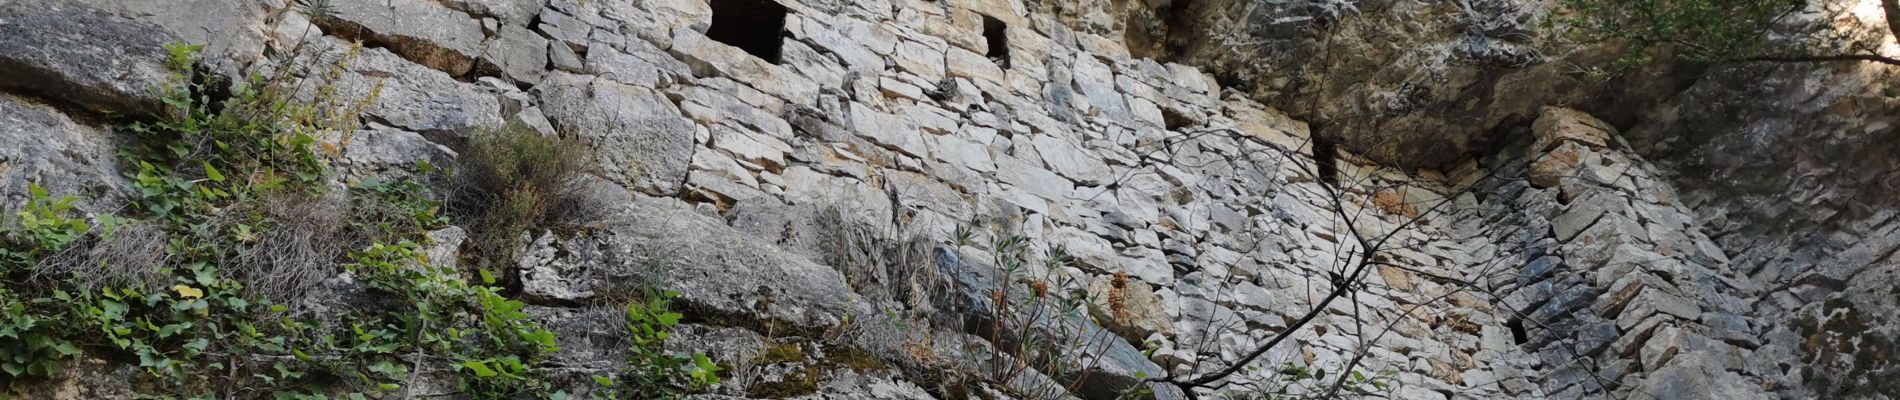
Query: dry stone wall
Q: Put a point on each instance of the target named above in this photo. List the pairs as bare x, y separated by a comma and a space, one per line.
1563, 267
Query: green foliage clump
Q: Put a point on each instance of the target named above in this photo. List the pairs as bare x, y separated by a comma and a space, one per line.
652, 372
238, 191
482, 334
1697, 30
512, 180
29, 347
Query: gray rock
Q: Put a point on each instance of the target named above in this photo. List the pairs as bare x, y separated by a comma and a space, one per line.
1070, 160
1572, 299
639, 138
74, 53
1699, 376
886, 129
412, 97
547, 277
517, 53
1032, 178
38, 145
510, 12
1537, 269
378, 149
422, 31
721, 273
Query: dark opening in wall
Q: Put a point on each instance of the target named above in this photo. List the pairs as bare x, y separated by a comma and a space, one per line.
1326, 160
997, 34
1164, 32
1517, 331
1174, 121
756, 26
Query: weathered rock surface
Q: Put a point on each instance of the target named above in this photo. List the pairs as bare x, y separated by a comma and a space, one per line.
640, 140
1731, 240
76, 54
47, 148
721, 273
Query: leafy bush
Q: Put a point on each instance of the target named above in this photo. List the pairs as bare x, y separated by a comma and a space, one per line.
485, 336
235, 218
509, 181
651, 372
29, 346
1699, 30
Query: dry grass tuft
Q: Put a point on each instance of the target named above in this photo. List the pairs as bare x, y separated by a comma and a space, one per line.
296, 248
131, 256
883, 263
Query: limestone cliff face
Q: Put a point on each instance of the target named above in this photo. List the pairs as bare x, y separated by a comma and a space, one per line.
1414, 84
1678, 234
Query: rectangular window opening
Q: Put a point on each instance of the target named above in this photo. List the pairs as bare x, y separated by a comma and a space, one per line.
756, 26
997, 34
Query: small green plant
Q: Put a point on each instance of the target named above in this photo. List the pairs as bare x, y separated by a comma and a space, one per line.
45, 226
486, 336
651, 372
29, 346
1033, 320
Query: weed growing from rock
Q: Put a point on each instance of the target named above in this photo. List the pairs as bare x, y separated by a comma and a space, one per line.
510, 181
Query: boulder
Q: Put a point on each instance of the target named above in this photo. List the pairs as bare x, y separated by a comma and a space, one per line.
84, 56
1557, 125
1129, 307
640, 140
722, 274
38, 145
424, 32
409, 96
1106, 364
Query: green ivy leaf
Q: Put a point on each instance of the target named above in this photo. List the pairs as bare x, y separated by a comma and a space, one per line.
212, 172
480, 368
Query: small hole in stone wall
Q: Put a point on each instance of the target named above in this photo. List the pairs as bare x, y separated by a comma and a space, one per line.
1326, 160
1517, 331
1175, 121
756, 26
997, 34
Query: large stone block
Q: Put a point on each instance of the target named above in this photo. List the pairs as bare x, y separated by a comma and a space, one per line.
1557, 125
73, 53
721, 273
422, 31
639, 138
39, 145
415, 98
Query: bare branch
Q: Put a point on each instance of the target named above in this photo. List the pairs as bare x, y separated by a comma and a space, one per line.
1829, 58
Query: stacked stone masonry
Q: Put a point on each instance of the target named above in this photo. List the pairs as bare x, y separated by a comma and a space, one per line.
1566, 268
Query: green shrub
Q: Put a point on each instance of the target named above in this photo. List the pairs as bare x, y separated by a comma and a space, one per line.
235, 215
512, 180
651, 372
485, 336
30, 346
1697, 30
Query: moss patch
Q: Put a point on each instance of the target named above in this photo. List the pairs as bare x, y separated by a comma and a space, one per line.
781, 353
797, 383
